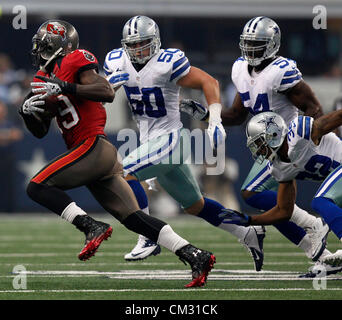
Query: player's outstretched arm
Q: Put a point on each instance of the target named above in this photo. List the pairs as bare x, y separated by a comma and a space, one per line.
325, 124
302, 96
199, 79
233, 116
283, 210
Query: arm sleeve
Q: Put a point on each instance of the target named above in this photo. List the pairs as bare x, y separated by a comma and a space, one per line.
236, 70
283, 172
287, 75
179, 65
300, 129
79, 61
113, 61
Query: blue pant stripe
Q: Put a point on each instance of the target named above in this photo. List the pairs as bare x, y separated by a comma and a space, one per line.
257, 177
261, 182
330, 185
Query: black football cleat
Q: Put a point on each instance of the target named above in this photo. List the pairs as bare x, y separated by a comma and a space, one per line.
201, 263
253, 242
95, 232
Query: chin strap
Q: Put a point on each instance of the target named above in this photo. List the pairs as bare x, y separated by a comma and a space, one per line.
54, 56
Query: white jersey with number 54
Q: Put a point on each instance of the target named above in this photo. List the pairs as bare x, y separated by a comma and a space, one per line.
262, 91
152, 92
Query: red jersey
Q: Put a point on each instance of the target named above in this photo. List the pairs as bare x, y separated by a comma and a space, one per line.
77, 118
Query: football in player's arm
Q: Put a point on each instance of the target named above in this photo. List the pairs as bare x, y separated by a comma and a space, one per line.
37, 119
70, 74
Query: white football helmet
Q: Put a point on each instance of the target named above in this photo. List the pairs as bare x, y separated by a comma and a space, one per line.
260, 40
265, 134
138, 29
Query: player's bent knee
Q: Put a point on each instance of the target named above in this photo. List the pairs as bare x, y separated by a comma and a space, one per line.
32, 190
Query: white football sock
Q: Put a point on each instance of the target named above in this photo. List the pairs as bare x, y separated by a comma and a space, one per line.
302, 218
237, 231
146, 210
71, 211
170, 239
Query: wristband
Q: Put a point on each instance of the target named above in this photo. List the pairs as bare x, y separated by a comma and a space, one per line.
69, 88
215, 112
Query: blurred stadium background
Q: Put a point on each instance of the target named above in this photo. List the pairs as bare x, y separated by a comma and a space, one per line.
208, 32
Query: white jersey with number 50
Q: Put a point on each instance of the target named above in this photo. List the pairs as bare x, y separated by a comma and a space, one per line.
152, 92
262, 91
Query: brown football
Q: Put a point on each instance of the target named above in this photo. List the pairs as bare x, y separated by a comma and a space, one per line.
51, 106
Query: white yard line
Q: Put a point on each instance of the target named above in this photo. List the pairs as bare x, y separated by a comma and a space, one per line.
153, 272
217, 274
164, 290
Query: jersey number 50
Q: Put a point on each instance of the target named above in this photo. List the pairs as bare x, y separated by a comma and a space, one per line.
141, 101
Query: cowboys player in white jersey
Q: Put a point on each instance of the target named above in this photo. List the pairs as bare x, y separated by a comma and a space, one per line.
268, 82
307, 149
152, 78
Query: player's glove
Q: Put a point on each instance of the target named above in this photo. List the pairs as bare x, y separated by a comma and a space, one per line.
30, 105
216, 132
194, 109
234, 217
117, 79
52, 87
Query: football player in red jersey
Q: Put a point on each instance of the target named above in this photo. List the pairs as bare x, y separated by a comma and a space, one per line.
71, 75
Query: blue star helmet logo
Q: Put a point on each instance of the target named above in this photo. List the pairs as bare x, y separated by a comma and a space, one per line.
276, 29
268, 122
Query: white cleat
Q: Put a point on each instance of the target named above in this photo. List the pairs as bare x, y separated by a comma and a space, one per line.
320, 270
254, 241
143, 249
334, 259
318, 235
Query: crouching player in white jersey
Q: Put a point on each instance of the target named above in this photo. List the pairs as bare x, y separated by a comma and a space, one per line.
306, 149
267, 82
152, 78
